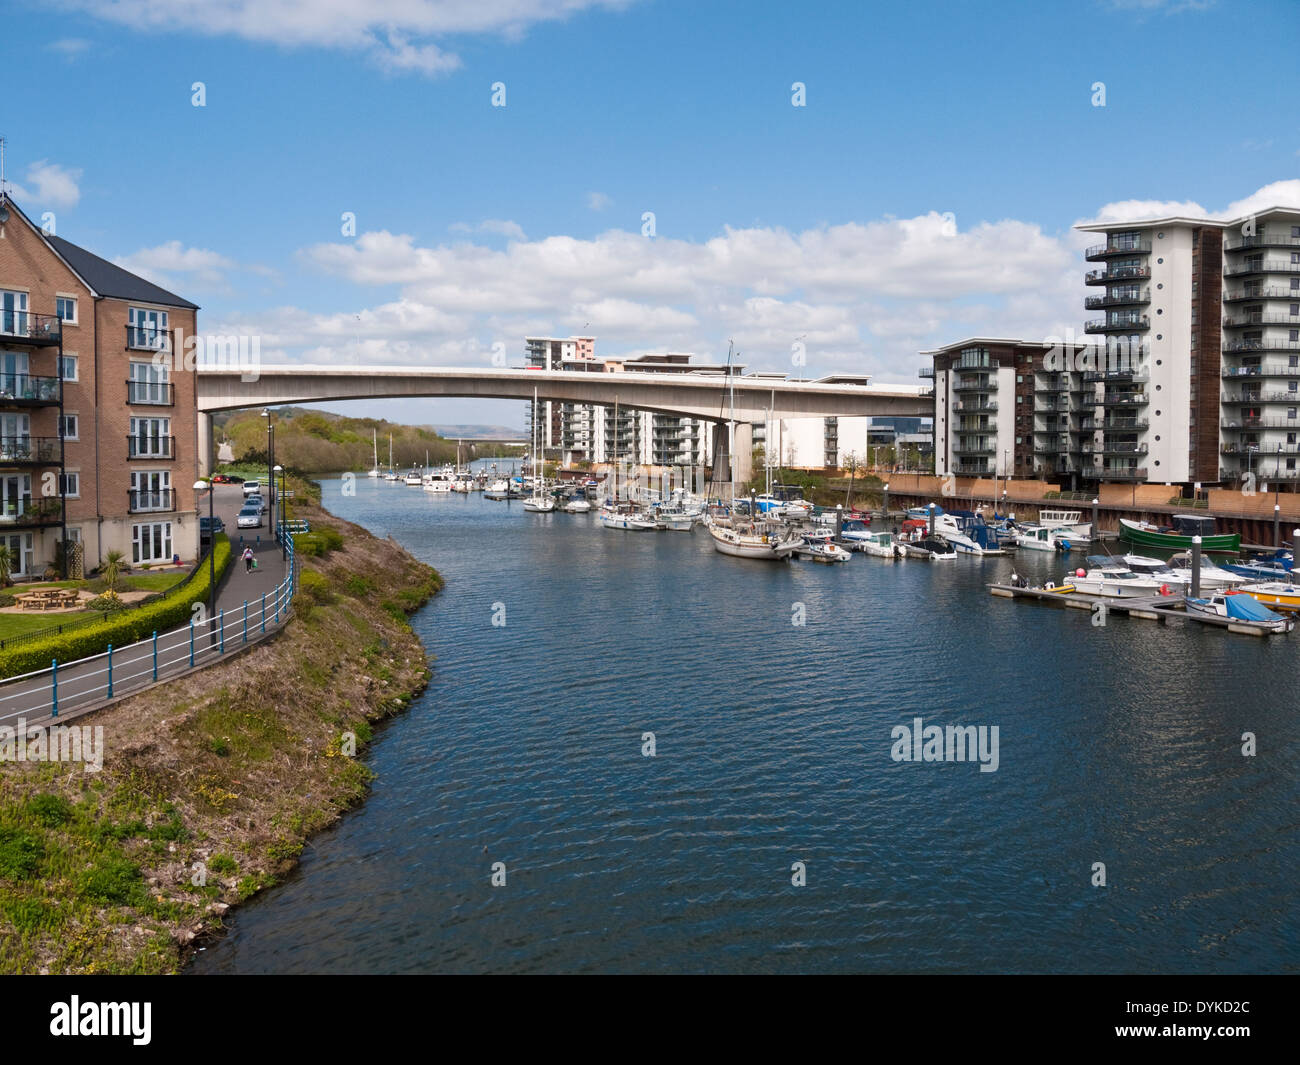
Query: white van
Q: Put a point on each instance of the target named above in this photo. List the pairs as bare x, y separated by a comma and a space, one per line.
252, 488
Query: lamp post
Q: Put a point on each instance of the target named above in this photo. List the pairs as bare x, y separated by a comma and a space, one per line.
200, 486
279, 520
270, 457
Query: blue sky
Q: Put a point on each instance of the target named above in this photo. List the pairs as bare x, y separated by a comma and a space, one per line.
476, 224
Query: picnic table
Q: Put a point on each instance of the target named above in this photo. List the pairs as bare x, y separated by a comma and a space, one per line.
48, 599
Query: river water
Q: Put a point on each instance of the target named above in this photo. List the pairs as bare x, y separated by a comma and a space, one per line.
1118, 744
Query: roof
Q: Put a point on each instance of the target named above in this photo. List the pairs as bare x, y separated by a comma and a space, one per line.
1179, 220
106, 279
989, 342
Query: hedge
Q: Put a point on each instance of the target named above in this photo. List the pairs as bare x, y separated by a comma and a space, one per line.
128, 627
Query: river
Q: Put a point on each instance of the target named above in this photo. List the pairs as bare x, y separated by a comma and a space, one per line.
1119, 744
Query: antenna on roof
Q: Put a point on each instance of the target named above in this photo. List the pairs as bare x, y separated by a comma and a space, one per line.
2, 170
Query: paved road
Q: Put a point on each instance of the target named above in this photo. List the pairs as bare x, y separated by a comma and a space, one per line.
83, 686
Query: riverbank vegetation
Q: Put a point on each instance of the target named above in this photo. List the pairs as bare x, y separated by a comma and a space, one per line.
212, 784
316, 442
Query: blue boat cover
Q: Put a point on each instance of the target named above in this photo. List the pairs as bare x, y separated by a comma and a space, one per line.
1244, 608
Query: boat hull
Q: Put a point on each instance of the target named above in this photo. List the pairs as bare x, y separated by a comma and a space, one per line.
1135, 534
738, 546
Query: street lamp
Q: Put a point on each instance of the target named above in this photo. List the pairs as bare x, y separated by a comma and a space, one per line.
279, 521
200, 486
270, 456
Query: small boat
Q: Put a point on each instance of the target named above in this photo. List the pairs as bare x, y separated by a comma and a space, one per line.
577, 503
931, 548
1237, 606
1040, 538
498, 489
1179, 537
880, 544
1158, 570
1212, 576
439, 483
539, 504
673, 519
413, 479
1110, 578
1274, 567
625, 517
821, 549
1068, 523
747, 539
1279, 595
948, 527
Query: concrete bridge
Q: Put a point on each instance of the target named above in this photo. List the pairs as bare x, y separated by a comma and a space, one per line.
711, 396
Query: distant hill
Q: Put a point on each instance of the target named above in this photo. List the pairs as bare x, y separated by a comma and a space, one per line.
479, 432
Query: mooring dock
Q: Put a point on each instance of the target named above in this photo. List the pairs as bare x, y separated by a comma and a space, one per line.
1158, 608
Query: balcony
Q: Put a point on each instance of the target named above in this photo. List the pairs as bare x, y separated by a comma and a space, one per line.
30, 330
1285, 476
1264, 369
1053, 449
23, 512
1252, 398
1121, 324
1111, 425
1116, 249
1121, 473
925, 371
1125, 399
1262, 266
1268, 239
1096, 303
971, 406
1117, 273
151, 393
150, 502
1121, 373
967, 384
1260, 318
1260, 422
971, 469
1056, 383
1116, 447
1261, 345
148, 338
24, 390
1272, 292
151, 447
1261, 451
974, 449
30, 451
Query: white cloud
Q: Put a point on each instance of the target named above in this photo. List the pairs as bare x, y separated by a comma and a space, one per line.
69, 47
172, 265
395, 34
49, 185
598, 201
1277, 194
502, 227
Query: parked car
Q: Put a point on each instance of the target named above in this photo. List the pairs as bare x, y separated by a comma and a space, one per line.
216, 523
249, 518
252, 488
258, 500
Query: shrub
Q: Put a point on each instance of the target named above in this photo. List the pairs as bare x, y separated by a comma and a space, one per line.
331, 538
20, 853
8, 599
358, 585
49, 810
107, 602
112, 879
315, 587
124, 627
222, 864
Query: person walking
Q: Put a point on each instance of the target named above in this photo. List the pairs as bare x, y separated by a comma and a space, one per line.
248, 560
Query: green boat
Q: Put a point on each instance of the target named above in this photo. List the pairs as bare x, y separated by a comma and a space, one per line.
1179, 538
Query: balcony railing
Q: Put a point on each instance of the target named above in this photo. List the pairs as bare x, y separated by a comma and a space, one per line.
1117, 273
1261, 451
971, 406
24, 389
1262, 423
1117, 373
146, 502
1121, 473
1267, 239
30, 450
1271, 292
1095, 303
24, 511
1261, 345
151, 393
1263, 266
974, 449
971, 469
28, 329
1111, 425
148, 338
151, 447
1113, 249
1260, 318
1264, 369
1285, 476
989, 384
1125, 399
1117, 325
925, 371
1251, 398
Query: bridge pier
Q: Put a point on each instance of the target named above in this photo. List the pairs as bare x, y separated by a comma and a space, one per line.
205, 444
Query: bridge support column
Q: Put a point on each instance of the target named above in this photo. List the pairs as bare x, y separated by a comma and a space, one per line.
205, 444
744, 452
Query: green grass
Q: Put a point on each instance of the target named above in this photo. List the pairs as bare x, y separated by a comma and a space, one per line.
155, 582
36, 620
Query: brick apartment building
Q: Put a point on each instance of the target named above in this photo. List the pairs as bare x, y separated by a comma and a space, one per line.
98, 443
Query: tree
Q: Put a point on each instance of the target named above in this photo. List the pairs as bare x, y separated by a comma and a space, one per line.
111, 571
6, 566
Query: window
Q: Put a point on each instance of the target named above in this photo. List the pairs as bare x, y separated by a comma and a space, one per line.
70, 484
68, 426
13, 313
151, 542
1290, 412
1295, 309
151, 490
148, 384
150, 438
74, 534
1295, 231
1295, 256
68, 367
147, 329
1295, 284
66, 308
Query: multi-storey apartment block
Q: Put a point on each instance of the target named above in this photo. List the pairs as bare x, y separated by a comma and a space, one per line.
98, 445
1191, 374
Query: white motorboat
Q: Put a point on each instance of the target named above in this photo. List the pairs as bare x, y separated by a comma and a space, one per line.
880, 544
947, 527
1212, 576
1238, 607
673, 519
930, 548
578, 505
1158, 570
1114, 579
1068, 523
1039, 538
822, 549
626, 517
746, 539
539, 504
438, 483
498, 489
413, 479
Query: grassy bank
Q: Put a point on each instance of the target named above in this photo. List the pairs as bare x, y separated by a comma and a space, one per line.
212, 784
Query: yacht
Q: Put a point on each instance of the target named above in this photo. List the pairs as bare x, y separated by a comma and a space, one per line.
1107, 576
414, 480
754, 539
1066, 522
880, 544
948, 527
627, 517
1212, 576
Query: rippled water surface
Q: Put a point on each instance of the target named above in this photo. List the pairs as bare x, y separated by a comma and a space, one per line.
1118, 744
